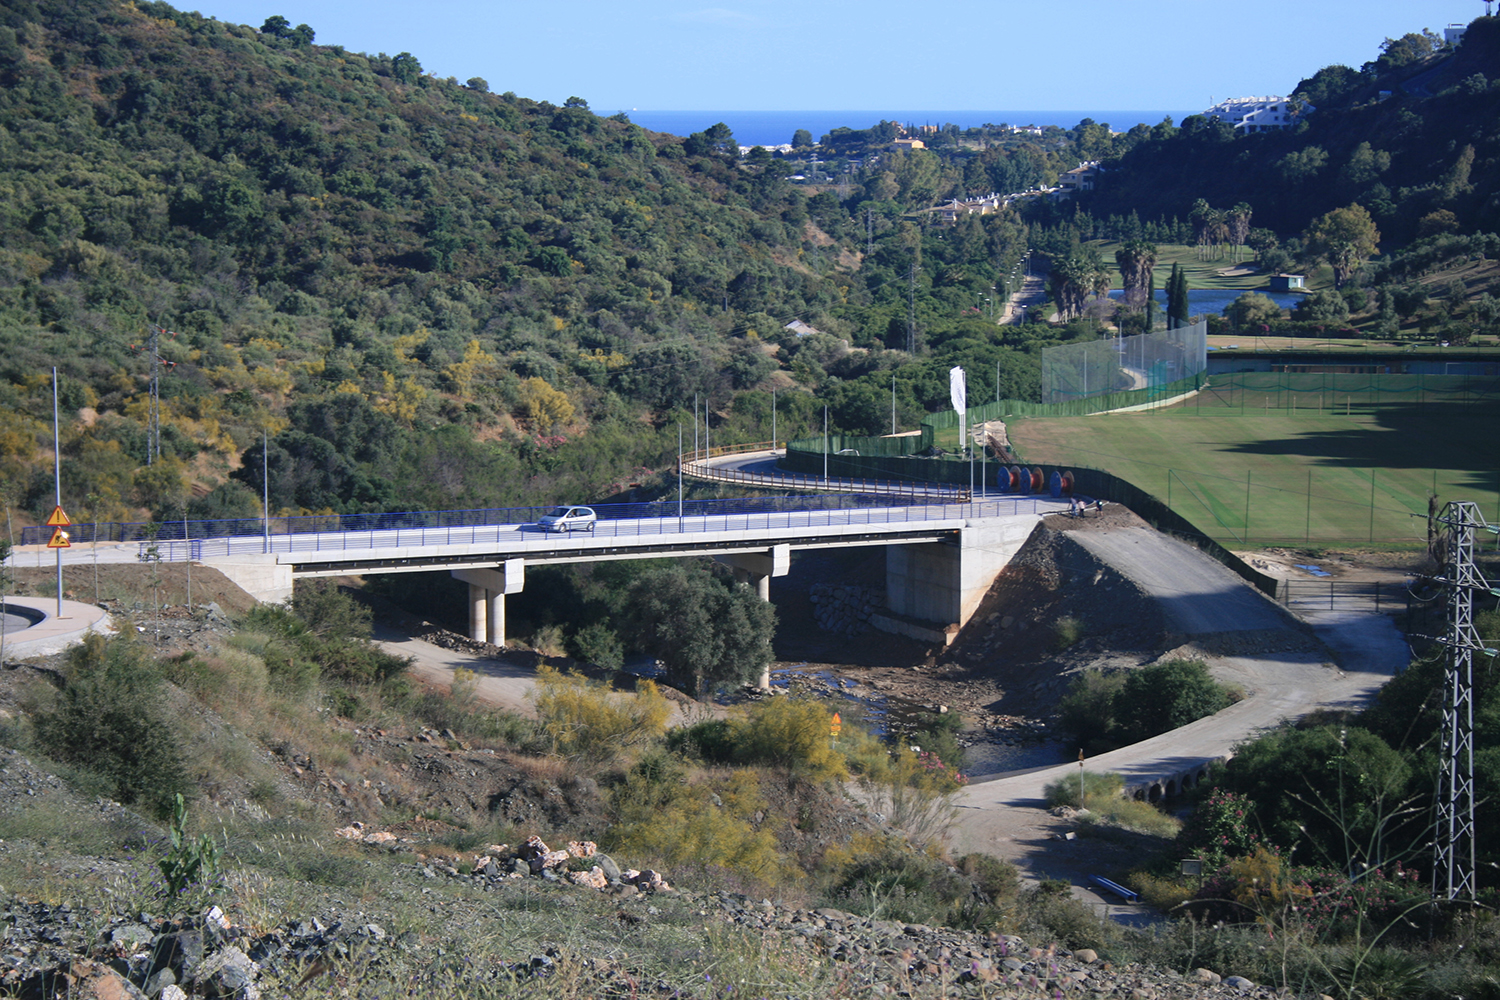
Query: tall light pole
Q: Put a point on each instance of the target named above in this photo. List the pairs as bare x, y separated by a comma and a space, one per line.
825, 445
893, 405
773, 421
57, 481
265, 486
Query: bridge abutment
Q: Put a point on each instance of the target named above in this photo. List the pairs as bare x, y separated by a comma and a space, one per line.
260, 576
944, 582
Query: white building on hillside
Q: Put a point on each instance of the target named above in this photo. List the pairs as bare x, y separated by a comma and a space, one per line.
1257, 114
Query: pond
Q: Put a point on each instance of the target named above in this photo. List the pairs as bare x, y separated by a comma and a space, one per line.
1203, 301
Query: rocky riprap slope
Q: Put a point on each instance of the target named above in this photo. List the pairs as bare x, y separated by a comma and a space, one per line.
844, 608
54, 951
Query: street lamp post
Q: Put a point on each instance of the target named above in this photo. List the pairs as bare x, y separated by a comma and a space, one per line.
825, 446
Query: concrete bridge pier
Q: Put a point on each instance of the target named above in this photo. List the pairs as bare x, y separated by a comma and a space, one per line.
487, 590
757, 568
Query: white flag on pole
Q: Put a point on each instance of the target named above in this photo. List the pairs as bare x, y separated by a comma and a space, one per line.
958, 391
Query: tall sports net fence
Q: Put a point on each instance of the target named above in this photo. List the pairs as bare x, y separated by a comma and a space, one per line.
1150, 361
1346, 392
1347, 455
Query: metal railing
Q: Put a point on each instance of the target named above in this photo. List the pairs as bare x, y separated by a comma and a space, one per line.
698, 464
661, 521
1375, 597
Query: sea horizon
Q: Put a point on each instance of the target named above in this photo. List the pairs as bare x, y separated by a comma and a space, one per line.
775, 128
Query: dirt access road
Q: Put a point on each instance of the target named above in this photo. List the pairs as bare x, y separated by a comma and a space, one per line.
1214, 610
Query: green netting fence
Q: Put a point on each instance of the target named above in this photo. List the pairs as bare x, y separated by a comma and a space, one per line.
1153, 360
855, 455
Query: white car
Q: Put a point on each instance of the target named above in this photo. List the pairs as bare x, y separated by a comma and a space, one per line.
568, 519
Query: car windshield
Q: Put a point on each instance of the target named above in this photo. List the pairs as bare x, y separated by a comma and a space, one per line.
557, 512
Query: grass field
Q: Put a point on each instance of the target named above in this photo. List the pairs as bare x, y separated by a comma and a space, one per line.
1221, 273
1320, 474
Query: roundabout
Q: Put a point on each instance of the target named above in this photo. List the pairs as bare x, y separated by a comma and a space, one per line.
32, 626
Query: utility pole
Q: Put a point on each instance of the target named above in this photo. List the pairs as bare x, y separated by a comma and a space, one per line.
911, 312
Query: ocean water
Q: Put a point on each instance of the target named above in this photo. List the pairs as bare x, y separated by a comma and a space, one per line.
773, 128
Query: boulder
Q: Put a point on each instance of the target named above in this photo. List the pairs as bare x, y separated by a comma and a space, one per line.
593, 878
228, 972
93, 981
607, 863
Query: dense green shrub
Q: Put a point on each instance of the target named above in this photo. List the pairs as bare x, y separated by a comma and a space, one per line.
327, 628
1336, 794
1166, 696
1104, 711
885, 879
110, 719
1087, 711
711, 741
708, 632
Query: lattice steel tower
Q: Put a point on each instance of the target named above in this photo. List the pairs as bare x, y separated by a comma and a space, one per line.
1453, 851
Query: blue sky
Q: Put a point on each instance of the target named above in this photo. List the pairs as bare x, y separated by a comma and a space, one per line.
874, 54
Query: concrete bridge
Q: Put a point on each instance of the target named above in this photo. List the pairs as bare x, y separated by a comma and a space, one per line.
941, 558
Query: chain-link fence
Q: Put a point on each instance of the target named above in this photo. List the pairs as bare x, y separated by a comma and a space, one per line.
1148, 361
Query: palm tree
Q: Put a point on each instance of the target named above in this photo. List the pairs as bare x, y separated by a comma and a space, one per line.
1136, 260
1239, 227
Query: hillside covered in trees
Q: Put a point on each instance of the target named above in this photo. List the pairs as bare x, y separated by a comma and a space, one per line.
427, 295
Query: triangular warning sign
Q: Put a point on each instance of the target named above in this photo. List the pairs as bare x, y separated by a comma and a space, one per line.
58, 518
59, 540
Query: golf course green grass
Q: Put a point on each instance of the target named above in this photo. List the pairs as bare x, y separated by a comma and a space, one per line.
1255, 468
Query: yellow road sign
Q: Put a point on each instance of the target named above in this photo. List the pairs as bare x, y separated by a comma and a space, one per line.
58, 518
59, 540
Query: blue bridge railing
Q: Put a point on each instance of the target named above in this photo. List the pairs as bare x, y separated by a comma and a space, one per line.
164, 531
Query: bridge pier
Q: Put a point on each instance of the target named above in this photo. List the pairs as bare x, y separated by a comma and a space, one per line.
479, 612
487, 590
756, 569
